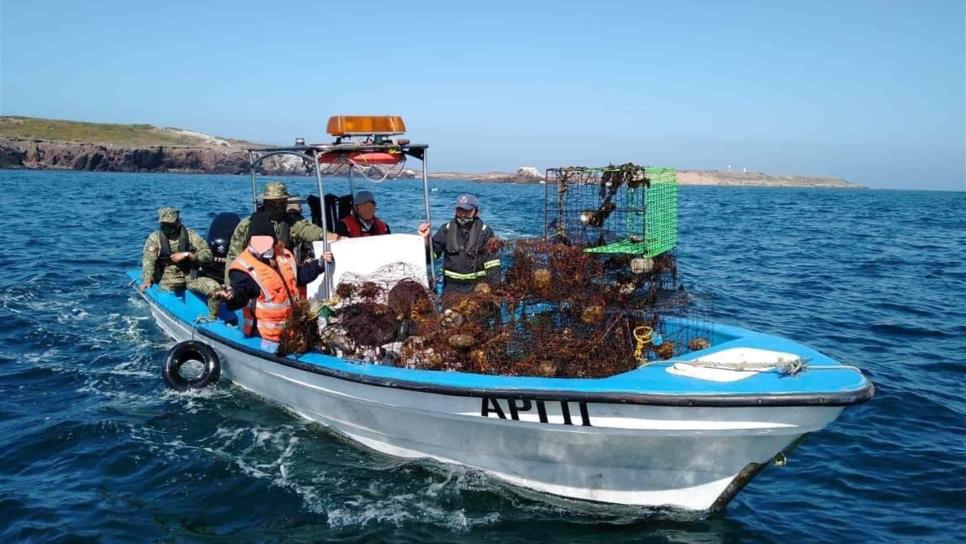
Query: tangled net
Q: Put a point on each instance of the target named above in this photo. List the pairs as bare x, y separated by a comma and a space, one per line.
560, 312
300, 333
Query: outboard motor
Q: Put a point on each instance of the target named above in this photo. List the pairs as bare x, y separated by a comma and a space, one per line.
219, 238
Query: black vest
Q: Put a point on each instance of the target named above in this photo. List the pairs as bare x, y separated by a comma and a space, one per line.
164, 251
470, 246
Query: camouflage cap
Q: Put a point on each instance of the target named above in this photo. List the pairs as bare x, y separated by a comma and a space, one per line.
168, 215
275, 190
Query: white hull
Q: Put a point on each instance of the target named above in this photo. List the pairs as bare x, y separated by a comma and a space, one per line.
641, 455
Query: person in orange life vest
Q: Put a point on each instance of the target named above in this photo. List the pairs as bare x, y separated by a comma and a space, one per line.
362, 221
265, 280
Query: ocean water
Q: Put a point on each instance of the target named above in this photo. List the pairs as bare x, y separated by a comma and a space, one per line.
94, 449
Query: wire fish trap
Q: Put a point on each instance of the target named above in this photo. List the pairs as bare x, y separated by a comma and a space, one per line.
561, 312
300, 332
625, 209
371, 313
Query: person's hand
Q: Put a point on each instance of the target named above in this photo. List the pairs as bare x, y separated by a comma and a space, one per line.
224, 293
144, 285
423, 230
178, 257
327, 256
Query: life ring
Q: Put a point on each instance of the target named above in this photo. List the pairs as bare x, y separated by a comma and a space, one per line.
183, 352
362, 159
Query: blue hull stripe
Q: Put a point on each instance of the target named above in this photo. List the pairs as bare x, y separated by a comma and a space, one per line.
650, 385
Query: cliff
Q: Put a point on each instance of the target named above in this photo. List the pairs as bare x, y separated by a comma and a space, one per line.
68, 145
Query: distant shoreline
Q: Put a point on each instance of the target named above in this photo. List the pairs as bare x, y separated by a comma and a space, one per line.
685, 177
46, 144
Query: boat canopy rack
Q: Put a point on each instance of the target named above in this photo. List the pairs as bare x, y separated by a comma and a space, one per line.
373, 148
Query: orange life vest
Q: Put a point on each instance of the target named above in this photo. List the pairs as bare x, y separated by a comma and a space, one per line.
355, 227
279, 289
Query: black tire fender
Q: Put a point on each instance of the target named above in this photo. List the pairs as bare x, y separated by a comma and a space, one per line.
183, 352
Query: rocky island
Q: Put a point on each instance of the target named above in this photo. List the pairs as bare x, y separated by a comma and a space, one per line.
49, 144
34, 143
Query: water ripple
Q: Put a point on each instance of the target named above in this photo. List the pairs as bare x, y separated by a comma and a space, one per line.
93, 447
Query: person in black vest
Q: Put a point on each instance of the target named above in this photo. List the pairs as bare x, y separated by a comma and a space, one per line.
362, 221
172, 254
462, 242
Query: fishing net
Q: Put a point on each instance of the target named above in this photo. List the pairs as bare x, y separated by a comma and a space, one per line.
560, 312
598, 295
300, 333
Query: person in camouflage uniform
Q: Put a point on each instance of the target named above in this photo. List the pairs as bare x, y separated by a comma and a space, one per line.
292, 229
170, 253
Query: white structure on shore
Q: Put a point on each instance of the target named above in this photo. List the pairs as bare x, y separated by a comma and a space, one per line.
529, 172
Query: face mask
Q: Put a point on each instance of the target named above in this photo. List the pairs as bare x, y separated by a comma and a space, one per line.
269, 254
169, 230
463, 221
276, 209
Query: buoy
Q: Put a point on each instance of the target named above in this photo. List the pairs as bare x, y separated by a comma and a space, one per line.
183, 352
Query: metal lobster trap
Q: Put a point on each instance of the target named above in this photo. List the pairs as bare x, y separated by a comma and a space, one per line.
624, 210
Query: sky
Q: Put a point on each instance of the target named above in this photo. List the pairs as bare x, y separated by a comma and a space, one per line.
872, 92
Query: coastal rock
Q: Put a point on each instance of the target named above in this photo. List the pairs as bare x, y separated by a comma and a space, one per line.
529, 173
758, 179
11, 157
42, 154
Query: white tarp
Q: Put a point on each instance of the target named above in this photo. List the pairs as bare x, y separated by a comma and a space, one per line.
363, 256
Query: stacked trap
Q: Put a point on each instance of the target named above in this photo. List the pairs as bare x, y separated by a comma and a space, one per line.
597, 296
626, 209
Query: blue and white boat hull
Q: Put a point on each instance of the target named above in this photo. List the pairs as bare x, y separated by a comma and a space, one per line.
626, 440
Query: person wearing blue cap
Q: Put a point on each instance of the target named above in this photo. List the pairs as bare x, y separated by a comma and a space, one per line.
467, 245
362, 221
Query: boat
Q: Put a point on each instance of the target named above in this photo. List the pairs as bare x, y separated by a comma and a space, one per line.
685, 433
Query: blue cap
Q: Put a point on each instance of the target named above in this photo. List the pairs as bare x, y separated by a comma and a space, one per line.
364, 196
467, 201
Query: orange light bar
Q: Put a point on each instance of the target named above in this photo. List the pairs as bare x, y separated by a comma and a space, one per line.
355, 125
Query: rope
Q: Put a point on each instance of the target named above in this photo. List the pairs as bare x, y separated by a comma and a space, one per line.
786, 368
361, 169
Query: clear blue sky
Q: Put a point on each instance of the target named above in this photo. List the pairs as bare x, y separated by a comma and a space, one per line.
869, 91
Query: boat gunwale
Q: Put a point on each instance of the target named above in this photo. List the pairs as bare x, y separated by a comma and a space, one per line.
844, 398
838, 398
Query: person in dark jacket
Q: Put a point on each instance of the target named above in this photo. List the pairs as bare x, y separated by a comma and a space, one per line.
362, 221
265, 280
468, 259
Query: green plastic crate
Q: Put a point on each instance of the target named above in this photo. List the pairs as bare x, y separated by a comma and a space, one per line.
655, 231
661, 217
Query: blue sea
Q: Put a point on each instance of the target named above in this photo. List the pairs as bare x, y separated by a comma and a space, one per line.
93, 448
